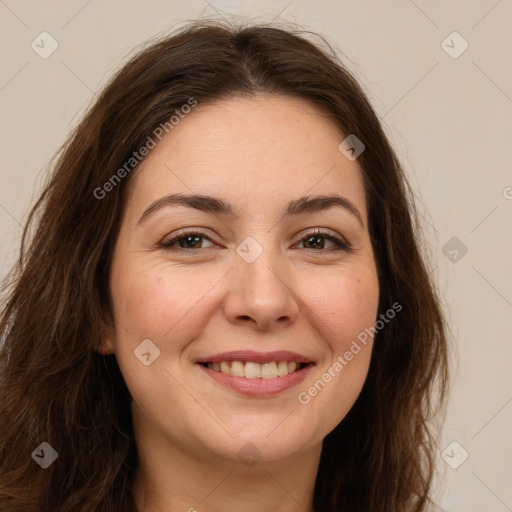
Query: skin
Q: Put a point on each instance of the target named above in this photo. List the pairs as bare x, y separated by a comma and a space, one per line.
258, 154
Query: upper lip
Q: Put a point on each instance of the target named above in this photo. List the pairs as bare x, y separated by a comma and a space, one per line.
256, 357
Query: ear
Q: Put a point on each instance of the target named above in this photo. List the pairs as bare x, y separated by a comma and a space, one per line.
105, 347
105, 344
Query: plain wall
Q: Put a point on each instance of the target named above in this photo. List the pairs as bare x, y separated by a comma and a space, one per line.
449, 118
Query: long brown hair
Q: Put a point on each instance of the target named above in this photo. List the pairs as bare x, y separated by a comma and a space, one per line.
56, 388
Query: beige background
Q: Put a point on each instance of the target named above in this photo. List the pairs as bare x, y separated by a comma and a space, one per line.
449, 118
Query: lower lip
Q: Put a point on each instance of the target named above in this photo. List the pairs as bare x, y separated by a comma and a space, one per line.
258, 387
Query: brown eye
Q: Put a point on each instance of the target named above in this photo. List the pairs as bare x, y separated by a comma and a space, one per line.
191, 240
316, 241
188, 240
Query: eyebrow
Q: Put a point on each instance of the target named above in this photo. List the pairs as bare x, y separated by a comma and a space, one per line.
209, 204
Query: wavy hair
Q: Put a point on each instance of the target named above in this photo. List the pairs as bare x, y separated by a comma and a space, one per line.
55, 387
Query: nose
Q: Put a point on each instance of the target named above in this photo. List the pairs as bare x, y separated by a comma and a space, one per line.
261, 293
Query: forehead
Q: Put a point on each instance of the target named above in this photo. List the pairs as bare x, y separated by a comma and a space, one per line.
252, 151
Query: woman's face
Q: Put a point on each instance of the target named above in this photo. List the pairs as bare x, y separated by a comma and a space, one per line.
253, 285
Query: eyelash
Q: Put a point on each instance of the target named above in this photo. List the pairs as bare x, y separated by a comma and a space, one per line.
341, 245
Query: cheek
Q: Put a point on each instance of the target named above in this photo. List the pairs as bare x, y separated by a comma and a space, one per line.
156, 302
344, 304
161, 305
358, 309
345, 317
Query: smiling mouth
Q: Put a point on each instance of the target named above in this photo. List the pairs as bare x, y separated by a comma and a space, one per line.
253, 370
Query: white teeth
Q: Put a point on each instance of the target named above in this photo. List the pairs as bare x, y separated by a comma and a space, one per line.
292, 367
251, 370
269, 371
237, 369
282, 368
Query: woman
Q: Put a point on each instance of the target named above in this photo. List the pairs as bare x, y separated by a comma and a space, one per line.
221, 301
